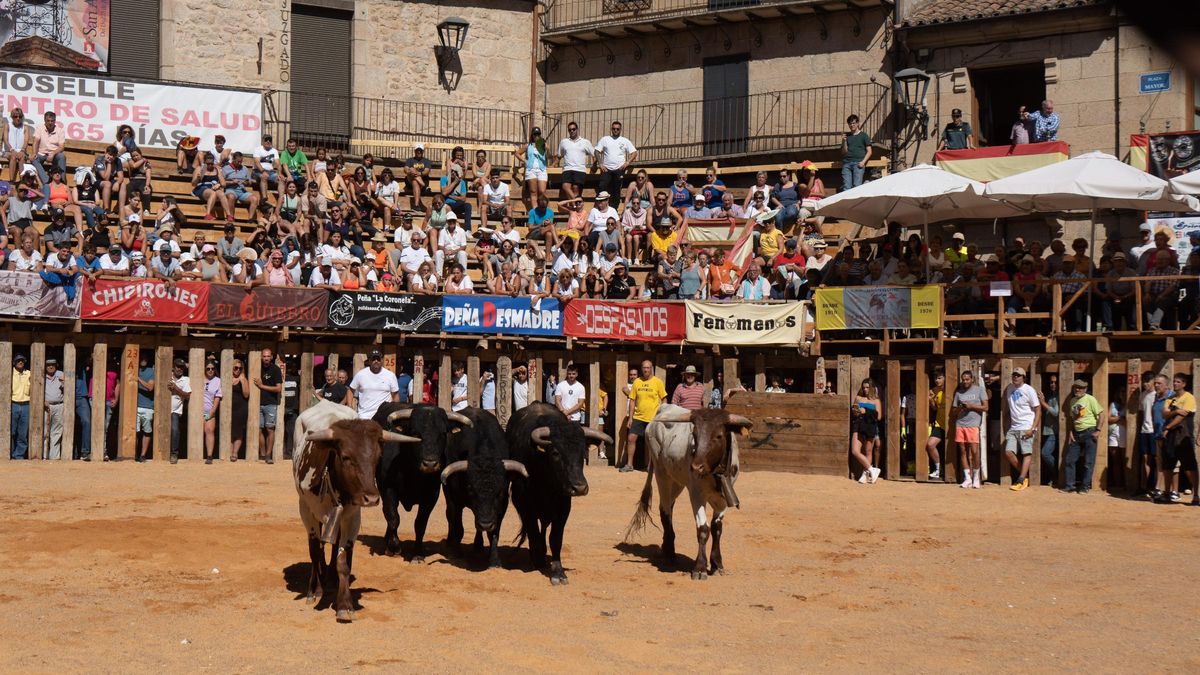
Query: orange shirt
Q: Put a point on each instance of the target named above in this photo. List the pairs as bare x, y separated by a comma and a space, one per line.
718, 275
381, 260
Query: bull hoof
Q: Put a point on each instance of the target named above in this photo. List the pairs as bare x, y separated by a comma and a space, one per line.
699, 575
717, 570
311, 599
345, 616
417, 560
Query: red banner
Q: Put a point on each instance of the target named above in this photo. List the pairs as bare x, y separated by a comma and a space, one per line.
633, 321
267, 306
145, 300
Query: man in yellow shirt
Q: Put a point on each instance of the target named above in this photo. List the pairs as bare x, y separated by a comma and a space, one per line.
662, 238
1086, 417
647, 392
20, 409
1179, 443
770, 240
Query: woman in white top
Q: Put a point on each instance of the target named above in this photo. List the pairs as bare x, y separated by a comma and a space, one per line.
13, 143
133, 235
566, 287
760, 185
424, 281
335, 248
585, 258
25, 259
459, 283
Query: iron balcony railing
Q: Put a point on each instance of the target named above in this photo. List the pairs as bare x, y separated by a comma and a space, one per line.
566, 15
780, 121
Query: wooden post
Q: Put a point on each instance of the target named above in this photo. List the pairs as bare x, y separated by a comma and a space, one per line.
37, 400
536, 376
504, 389
473, 380
445, 389
660, 367
894, 420
1035, 463
593, 404
6, 354
195, 404
360, 362
621, 411
760, 372
68, 434
161, 441
860, 369
1004, 477
844, 386
99, 407
949, 448
707, 370
921, 437
418, 376
253, 402
1130, 469
1101, 476
280, 411
391, 359
820, 377
225, 412
306, 376
732, 380
1066, 374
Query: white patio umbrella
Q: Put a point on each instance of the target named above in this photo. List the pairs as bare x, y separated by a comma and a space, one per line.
1092, 181
1187, 184
922, 194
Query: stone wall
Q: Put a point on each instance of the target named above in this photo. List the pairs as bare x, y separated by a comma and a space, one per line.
216, 42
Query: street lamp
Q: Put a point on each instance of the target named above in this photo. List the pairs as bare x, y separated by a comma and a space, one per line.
452, 32
914, 83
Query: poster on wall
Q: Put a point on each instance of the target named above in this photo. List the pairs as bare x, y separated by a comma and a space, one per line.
637, 321
878, 307
486, 315
1166, 155
731, 323
377, 310
71, 34
25, 294
1179, 226
91, 109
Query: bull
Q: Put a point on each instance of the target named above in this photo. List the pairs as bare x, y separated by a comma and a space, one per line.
552, 448
476, 477
408, 473
693, 449
334, 469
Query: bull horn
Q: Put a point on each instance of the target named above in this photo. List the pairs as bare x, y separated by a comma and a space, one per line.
675, 417
540, 436
393, 437
741, 421
597, 436
514, 465
453, 468
400, 415
315, 436
460, 418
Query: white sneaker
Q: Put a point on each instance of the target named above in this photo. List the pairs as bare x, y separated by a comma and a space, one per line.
875, 471
966, 483
976, 482
936, 474
863, 478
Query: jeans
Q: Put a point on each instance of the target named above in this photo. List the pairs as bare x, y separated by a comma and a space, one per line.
67, 281
20, 431
91, 213
176, 423
463, 211
1112, 313
787, 215
52, 436
83, 413
852, 174
1049, 458
1085, 444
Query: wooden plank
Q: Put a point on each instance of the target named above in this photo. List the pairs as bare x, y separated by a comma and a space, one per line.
161, 440
195, 405
894, 422
6, 355
253, 435
536, 385
37, 399
729, 368
360, 362
69, 374
1066, 373
418, 376
306, 376
707, 372
504, 389
1130, 471
473, 388
833, 427
820, 377
1004, 477
949, 448
280, 427
444, 384
593, 407
225, 412
660, 367
1035, 464
921, 396
760, 372
844, 386
99, 391
1100, 474
860, 369
620, 410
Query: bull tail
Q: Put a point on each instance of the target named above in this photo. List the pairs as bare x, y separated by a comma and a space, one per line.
642, 515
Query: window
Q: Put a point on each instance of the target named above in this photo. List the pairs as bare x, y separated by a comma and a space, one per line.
133, 47
998, 94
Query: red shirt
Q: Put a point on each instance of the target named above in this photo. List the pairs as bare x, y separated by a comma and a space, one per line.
785, 259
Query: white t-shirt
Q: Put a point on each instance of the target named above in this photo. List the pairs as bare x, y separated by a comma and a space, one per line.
567, 395
599, 219
1116, 430
1022, 402
520, 394
184, 384
460, 391
336, 252
568, 292
22, 263
163, 243
415, 282
138, 272
317, 278
616, 151
1147, 407
511, 235
495, 195
411, 258
107, 264
53, 263
576, 154
267, 158
453, 242
388, 191
464, 285
373, 390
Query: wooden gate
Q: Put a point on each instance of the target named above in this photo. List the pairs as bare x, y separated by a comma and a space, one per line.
798, 433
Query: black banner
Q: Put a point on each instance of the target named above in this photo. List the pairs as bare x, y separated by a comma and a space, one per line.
1174, 154
267, 306
378, 310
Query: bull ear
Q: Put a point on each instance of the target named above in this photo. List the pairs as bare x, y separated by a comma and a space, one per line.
513, 465
453, 468
317, 436
393, 437
460, 418
400, 416
541, 438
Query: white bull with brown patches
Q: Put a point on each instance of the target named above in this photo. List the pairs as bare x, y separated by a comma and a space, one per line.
334, 468
693, 449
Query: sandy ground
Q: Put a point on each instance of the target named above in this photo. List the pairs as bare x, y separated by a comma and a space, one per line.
121, 567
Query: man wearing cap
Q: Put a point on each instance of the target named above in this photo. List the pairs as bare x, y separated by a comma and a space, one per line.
60, 232
689, 393
1116, 296
452, 245
957, 134
54, 392
270, 386
416, 176
325, 276
1024, 417
790, 266
181, 390
1085, 416
20, 408
1137, 253
698, 209
374, 385
599, 214
114, 263
956, 252
495, 198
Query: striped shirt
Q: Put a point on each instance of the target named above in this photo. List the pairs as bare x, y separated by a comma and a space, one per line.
689, 396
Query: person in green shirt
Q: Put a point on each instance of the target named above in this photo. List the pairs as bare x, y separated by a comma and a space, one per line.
856, 152
295, 161
1085, 416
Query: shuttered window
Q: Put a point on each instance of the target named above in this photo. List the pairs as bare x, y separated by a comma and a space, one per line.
320, 77
133, 40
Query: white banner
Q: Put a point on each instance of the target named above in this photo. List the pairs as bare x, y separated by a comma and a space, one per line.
92, 108
736, 323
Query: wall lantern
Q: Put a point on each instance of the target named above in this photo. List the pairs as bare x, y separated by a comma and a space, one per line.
452, 32
914, 83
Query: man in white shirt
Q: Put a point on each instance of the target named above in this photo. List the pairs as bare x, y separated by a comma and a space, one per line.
520, 397
181, 391
373, 386
575, 152
166, 239
698, 209
1024, 417
114, 264
495, 197
325, 276
266, 157
414, 254
614, 153
569, 396
452, 245
601, 212
458, 395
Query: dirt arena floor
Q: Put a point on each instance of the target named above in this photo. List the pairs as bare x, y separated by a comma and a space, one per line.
133, 568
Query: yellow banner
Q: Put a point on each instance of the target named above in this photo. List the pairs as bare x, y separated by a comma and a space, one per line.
831, 311
877, 307
926, 306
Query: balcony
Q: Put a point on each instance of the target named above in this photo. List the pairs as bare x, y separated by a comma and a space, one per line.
566, 21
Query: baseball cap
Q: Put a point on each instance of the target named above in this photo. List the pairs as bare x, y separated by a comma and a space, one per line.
956, 113
1079, 383
375, 354
137, 255
180, 363
185, 257
959, 236
1118, 256
610, 246
536, 131
419, 146
208, 248
1019, 371
699, 197
326, 260
816, 244
52, 361
21, 358
451, 216
690, 370
790, 243
1146, 227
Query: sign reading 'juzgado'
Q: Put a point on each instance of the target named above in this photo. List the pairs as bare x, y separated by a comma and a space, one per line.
501, 316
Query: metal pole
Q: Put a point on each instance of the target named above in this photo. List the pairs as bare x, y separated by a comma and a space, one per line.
1091, 278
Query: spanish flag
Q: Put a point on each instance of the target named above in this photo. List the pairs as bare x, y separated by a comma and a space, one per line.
992, 163
1139, 151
